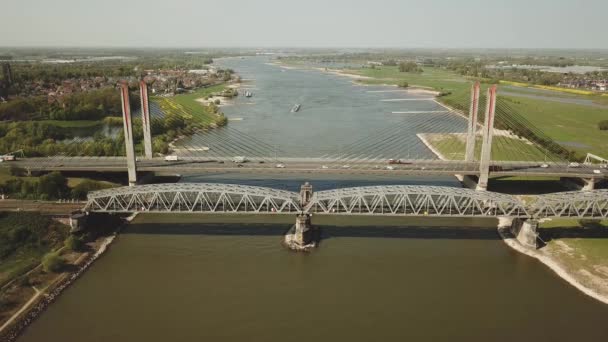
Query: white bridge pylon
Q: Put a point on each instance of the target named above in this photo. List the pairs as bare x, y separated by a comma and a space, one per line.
395, 200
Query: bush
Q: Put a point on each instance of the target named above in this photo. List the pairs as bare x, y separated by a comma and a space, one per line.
217, 101
404, 85
603, 125
73, 243
52, 262
409, 67
81, 190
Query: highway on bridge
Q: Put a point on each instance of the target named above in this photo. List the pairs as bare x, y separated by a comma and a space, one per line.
310, 165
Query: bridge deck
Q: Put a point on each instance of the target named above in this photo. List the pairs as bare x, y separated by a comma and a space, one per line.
310, 165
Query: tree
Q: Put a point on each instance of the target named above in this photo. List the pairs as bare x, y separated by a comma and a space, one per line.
409, 67
404, 84
52, 262
53, 185
603, 125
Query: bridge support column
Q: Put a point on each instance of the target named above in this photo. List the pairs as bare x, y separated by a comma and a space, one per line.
486, 147
77, 221
473, 112
128, 130
583, 184
145, 119
525, 231
588, 184
303, 230
303, 236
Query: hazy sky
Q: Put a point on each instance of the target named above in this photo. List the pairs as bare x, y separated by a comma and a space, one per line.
306, 23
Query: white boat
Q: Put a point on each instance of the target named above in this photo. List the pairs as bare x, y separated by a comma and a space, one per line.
296, 108
248, 94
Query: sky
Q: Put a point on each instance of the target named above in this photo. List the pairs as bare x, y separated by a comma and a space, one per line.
305, 23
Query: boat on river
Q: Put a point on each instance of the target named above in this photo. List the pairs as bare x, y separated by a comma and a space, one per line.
296, 108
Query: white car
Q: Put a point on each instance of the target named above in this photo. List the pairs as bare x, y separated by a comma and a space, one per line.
390, 167
599, 172
544, 166
280, 166
574, 164
324, 167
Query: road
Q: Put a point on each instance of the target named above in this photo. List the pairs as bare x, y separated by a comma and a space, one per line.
310, 165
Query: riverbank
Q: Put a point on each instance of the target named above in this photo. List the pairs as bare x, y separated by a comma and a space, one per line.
551, 256
54, 284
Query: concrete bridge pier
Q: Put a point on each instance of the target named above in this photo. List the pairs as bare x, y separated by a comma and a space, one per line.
128, 130
525, 231
303, 230
77, 221
588, 184
486, 147
145, 119
584, 184
303, 236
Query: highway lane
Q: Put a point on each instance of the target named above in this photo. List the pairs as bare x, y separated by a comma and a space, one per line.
309, 165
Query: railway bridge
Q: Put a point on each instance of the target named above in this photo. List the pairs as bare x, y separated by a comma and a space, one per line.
395, 200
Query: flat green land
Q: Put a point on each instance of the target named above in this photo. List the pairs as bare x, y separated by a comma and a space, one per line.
186, 105
435, 78
503, 148
574, 126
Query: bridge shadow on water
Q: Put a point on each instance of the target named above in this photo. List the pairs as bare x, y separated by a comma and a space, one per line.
327, 231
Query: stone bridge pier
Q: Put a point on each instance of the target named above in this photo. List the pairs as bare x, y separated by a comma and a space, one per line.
525, 231
302, 236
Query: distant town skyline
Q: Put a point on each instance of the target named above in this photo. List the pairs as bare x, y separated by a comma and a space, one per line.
313, 23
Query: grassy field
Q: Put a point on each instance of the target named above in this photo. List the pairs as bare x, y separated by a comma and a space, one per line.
186, 104
503, 148
434, 78
572, 125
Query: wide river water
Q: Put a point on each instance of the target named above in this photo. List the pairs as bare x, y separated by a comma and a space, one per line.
205, 278
334, 114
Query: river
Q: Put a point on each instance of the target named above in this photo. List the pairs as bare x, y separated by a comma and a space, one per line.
195, 278
335, 113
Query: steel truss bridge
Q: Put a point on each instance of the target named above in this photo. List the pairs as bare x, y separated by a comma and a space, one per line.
397, 200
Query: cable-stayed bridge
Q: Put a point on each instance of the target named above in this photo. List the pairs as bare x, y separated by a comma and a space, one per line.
496, 140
